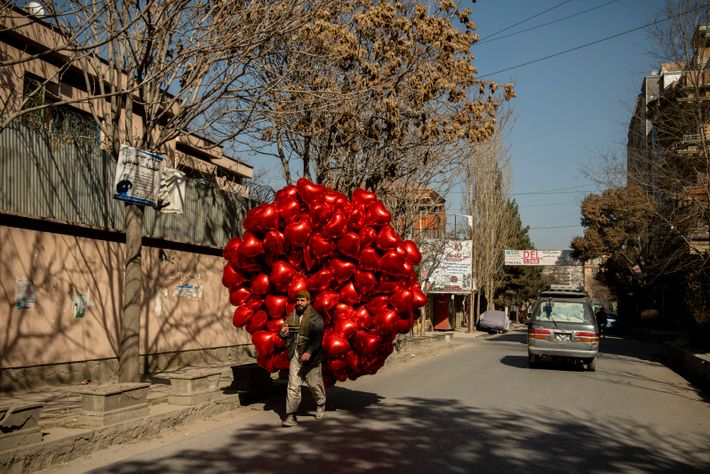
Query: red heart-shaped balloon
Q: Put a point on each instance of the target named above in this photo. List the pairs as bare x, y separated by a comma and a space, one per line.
388, 286
401, 301
342, 269
361, 196
275, 306
364, 282
387, 238
260, 284
345, 327
404, 325
289, 209
298, 283
241, 316
413, 253
320, 213
336, 226
262, 218
387, 322
325, 301
275, 243
255, 302
274, 325
369, 260
295, 258
287, 192
239, 296
357, 217
348, 294
419, 299
231, 278
321, 280
251, 246
377, 214
281, 274
376, 304
231, 250
337, 346
264, 341
297, 233
343, 311
308, 191
367, 235
369, 344
321, 247
349, 245
392, 263
257, 322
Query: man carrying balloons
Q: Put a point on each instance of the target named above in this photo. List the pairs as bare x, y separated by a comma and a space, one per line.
303, 330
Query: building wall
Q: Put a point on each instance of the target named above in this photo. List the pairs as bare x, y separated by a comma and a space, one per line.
185, 307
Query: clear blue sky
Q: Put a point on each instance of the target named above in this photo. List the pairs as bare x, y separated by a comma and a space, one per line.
570, 109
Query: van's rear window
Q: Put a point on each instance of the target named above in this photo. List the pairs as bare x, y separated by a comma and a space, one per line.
562, 312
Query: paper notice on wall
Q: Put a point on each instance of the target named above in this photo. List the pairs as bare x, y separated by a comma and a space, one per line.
80, 303
24, 293
172, 192
189, 290
138, 175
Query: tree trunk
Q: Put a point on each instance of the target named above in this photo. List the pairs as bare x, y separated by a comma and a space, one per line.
128, 349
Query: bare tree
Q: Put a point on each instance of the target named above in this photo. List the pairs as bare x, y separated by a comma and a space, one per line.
147, 74
487, 185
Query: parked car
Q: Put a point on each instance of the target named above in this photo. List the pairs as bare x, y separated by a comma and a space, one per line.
494, 320
562, 325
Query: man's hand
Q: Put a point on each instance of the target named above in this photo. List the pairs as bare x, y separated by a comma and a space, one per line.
305, 357
284, 330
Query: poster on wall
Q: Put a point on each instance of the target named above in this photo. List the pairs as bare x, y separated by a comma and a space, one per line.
24, 293
138, 175
449, 265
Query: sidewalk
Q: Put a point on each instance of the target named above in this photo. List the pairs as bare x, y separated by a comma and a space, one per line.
65, 437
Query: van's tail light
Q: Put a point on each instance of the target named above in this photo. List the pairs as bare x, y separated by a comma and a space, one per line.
538, 333
586, 336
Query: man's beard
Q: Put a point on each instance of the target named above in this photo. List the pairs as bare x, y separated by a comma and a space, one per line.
300, 309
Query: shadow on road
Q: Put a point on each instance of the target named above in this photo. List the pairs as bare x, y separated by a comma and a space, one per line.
363, 434
520, 337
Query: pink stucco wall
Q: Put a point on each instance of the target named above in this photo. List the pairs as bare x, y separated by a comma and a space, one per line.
196, 315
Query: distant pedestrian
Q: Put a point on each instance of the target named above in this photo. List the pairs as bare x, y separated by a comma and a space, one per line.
304, 330
601, 320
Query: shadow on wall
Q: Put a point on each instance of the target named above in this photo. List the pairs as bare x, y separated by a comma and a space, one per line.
363, 434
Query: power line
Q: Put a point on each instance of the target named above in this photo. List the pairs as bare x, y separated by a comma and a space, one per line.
527, 19
548, 23
554, 227
560, 53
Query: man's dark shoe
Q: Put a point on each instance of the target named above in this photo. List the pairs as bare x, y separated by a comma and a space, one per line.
290, 421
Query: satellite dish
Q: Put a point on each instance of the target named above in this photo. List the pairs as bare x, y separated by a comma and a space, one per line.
35, 9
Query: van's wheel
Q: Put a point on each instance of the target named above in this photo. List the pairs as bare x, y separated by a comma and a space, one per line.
533, 361
592, 365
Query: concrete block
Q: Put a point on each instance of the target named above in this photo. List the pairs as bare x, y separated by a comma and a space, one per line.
113, 403
250, 376
194, 387
19, 425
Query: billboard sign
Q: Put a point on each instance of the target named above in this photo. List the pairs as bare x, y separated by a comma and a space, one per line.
540, 257
449, 265
138, 176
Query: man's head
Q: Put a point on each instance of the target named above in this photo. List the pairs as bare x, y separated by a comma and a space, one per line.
303, 299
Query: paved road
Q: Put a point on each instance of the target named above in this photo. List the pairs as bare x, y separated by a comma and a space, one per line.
476, 408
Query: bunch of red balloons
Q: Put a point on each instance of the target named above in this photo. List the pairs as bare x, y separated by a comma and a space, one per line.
359, 272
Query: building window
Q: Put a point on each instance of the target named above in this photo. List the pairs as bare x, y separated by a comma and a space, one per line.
64, 124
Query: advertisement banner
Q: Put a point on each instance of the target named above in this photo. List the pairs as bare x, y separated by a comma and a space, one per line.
138, 176
449, 265
540, 257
